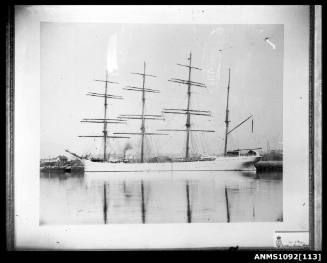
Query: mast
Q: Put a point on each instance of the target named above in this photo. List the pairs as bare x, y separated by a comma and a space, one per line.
105, 120
188, 115
227, 121
143, 120
227, 114
142, 116
188, 111
105, 123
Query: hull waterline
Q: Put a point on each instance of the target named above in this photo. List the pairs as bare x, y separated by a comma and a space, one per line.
239, 163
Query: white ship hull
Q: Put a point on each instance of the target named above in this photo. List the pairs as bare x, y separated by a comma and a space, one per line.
237, 163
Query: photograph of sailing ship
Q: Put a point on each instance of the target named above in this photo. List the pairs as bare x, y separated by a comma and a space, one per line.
161, 123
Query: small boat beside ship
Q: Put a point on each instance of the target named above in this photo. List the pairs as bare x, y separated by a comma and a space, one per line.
60, 164
236, 160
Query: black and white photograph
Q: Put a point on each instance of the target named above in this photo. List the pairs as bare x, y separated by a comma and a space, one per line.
188, 145
173, 121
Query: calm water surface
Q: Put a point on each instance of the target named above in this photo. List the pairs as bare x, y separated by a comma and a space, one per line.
162, 197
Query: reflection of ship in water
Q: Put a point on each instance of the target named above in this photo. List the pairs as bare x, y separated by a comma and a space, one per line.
239, 160
189, 197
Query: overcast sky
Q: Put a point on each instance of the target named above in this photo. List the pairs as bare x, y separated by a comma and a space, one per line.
73, 54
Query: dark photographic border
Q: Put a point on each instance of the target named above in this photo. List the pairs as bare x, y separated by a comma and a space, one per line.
10, 104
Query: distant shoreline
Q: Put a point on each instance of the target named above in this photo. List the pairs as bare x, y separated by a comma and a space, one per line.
269, 165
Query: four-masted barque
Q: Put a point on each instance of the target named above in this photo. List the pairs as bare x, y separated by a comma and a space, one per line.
237, 160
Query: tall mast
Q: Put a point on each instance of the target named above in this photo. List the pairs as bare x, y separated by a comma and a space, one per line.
105, 120
105, 123
227, 114
188, 111
142, 116
227, 121
143, 120
188, 115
